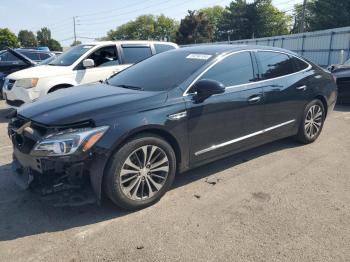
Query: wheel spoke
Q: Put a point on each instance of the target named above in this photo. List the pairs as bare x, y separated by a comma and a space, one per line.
160, 162
134, 194
162, 168
129, 179
144, 172
156, 185
131, 164
158, 176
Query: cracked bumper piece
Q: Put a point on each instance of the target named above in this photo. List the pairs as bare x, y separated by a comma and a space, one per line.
49, 176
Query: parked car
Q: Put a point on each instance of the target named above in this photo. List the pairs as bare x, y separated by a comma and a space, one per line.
12, 60
167, 114
82, 64
342, 75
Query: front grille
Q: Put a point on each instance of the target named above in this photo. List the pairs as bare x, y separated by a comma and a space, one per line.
9, 84
15, 103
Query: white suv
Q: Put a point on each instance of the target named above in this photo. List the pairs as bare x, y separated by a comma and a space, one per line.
86, 63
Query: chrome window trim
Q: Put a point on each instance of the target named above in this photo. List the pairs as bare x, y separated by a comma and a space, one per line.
214, 147
247, 84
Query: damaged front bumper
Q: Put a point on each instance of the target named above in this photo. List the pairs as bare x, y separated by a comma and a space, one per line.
55, 174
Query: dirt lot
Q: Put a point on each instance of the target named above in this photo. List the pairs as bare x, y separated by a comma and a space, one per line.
279, 202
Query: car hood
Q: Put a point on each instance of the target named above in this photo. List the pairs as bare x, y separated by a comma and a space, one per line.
96, 102
40, 71
22, 57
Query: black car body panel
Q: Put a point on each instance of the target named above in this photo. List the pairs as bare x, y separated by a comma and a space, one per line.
200, 131
342, 75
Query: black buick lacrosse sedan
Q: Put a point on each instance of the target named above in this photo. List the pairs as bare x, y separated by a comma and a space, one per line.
128, 136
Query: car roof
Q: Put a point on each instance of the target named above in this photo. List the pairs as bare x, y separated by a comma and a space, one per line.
219, 49
140, 42
32, 50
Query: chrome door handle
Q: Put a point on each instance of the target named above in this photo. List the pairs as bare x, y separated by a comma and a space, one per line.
303, 88
254, 99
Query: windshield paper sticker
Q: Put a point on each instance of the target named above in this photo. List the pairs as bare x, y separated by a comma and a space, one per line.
198, 56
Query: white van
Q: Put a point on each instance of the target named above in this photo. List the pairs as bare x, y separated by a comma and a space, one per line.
85, 63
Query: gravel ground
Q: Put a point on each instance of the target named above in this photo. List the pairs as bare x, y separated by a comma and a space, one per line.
279, 202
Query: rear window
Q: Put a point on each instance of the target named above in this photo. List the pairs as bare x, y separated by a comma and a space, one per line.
44, 56
160, 48
274, 64
135, 54
31, 55
299, 64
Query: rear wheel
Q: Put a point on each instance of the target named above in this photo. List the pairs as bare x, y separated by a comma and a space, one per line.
140, 172
312, 122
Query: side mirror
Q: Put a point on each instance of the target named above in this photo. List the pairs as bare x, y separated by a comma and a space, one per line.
88, 63
206, 88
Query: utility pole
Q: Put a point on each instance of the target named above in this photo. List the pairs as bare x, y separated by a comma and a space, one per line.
75, 33
302, 23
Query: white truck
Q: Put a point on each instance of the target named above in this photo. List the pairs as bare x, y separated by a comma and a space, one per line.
85, 63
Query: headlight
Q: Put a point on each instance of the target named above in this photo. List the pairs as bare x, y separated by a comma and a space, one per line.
27, 82
67, 143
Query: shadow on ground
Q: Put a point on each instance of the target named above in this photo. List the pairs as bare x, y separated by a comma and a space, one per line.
24, 214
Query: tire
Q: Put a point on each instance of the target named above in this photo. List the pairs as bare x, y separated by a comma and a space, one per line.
128, 166
314, 114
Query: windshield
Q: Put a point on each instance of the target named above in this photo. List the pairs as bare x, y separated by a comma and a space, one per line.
72, 55
160, 72
347, 62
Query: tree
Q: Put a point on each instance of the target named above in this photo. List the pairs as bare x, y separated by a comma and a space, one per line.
260, 18
195, 28
77, 42
43, 36
7, 39
145, 27
214, 15
27, 38
54, 45
323, 14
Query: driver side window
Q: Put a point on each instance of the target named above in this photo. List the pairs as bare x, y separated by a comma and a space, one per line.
105, 56
236, 69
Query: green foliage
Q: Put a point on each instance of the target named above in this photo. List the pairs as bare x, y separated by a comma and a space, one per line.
54, 45
323, 14
195, 28
8, 39
43, 36
260, 18
76, 43
146, 27
214, 15
27, 38
44, 39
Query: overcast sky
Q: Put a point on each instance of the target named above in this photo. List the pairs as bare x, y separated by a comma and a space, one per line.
95, 18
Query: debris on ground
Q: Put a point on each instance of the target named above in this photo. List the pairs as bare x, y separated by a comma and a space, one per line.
197, 196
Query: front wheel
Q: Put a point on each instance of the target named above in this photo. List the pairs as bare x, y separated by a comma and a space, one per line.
140, 172
312, 122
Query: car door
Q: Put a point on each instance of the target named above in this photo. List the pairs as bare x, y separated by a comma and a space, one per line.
285, 90
230, 121
106, 61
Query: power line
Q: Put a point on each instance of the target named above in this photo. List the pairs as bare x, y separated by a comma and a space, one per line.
107, 19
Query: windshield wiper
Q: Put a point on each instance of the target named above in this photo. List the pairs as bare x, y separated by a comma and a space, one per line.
130, 87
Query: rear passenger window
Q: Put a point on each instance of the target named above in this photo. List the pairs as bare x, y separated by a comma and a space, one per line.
234, 70
44, 56
31, 55
135, 54
299, 64
160, 48
275, 64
